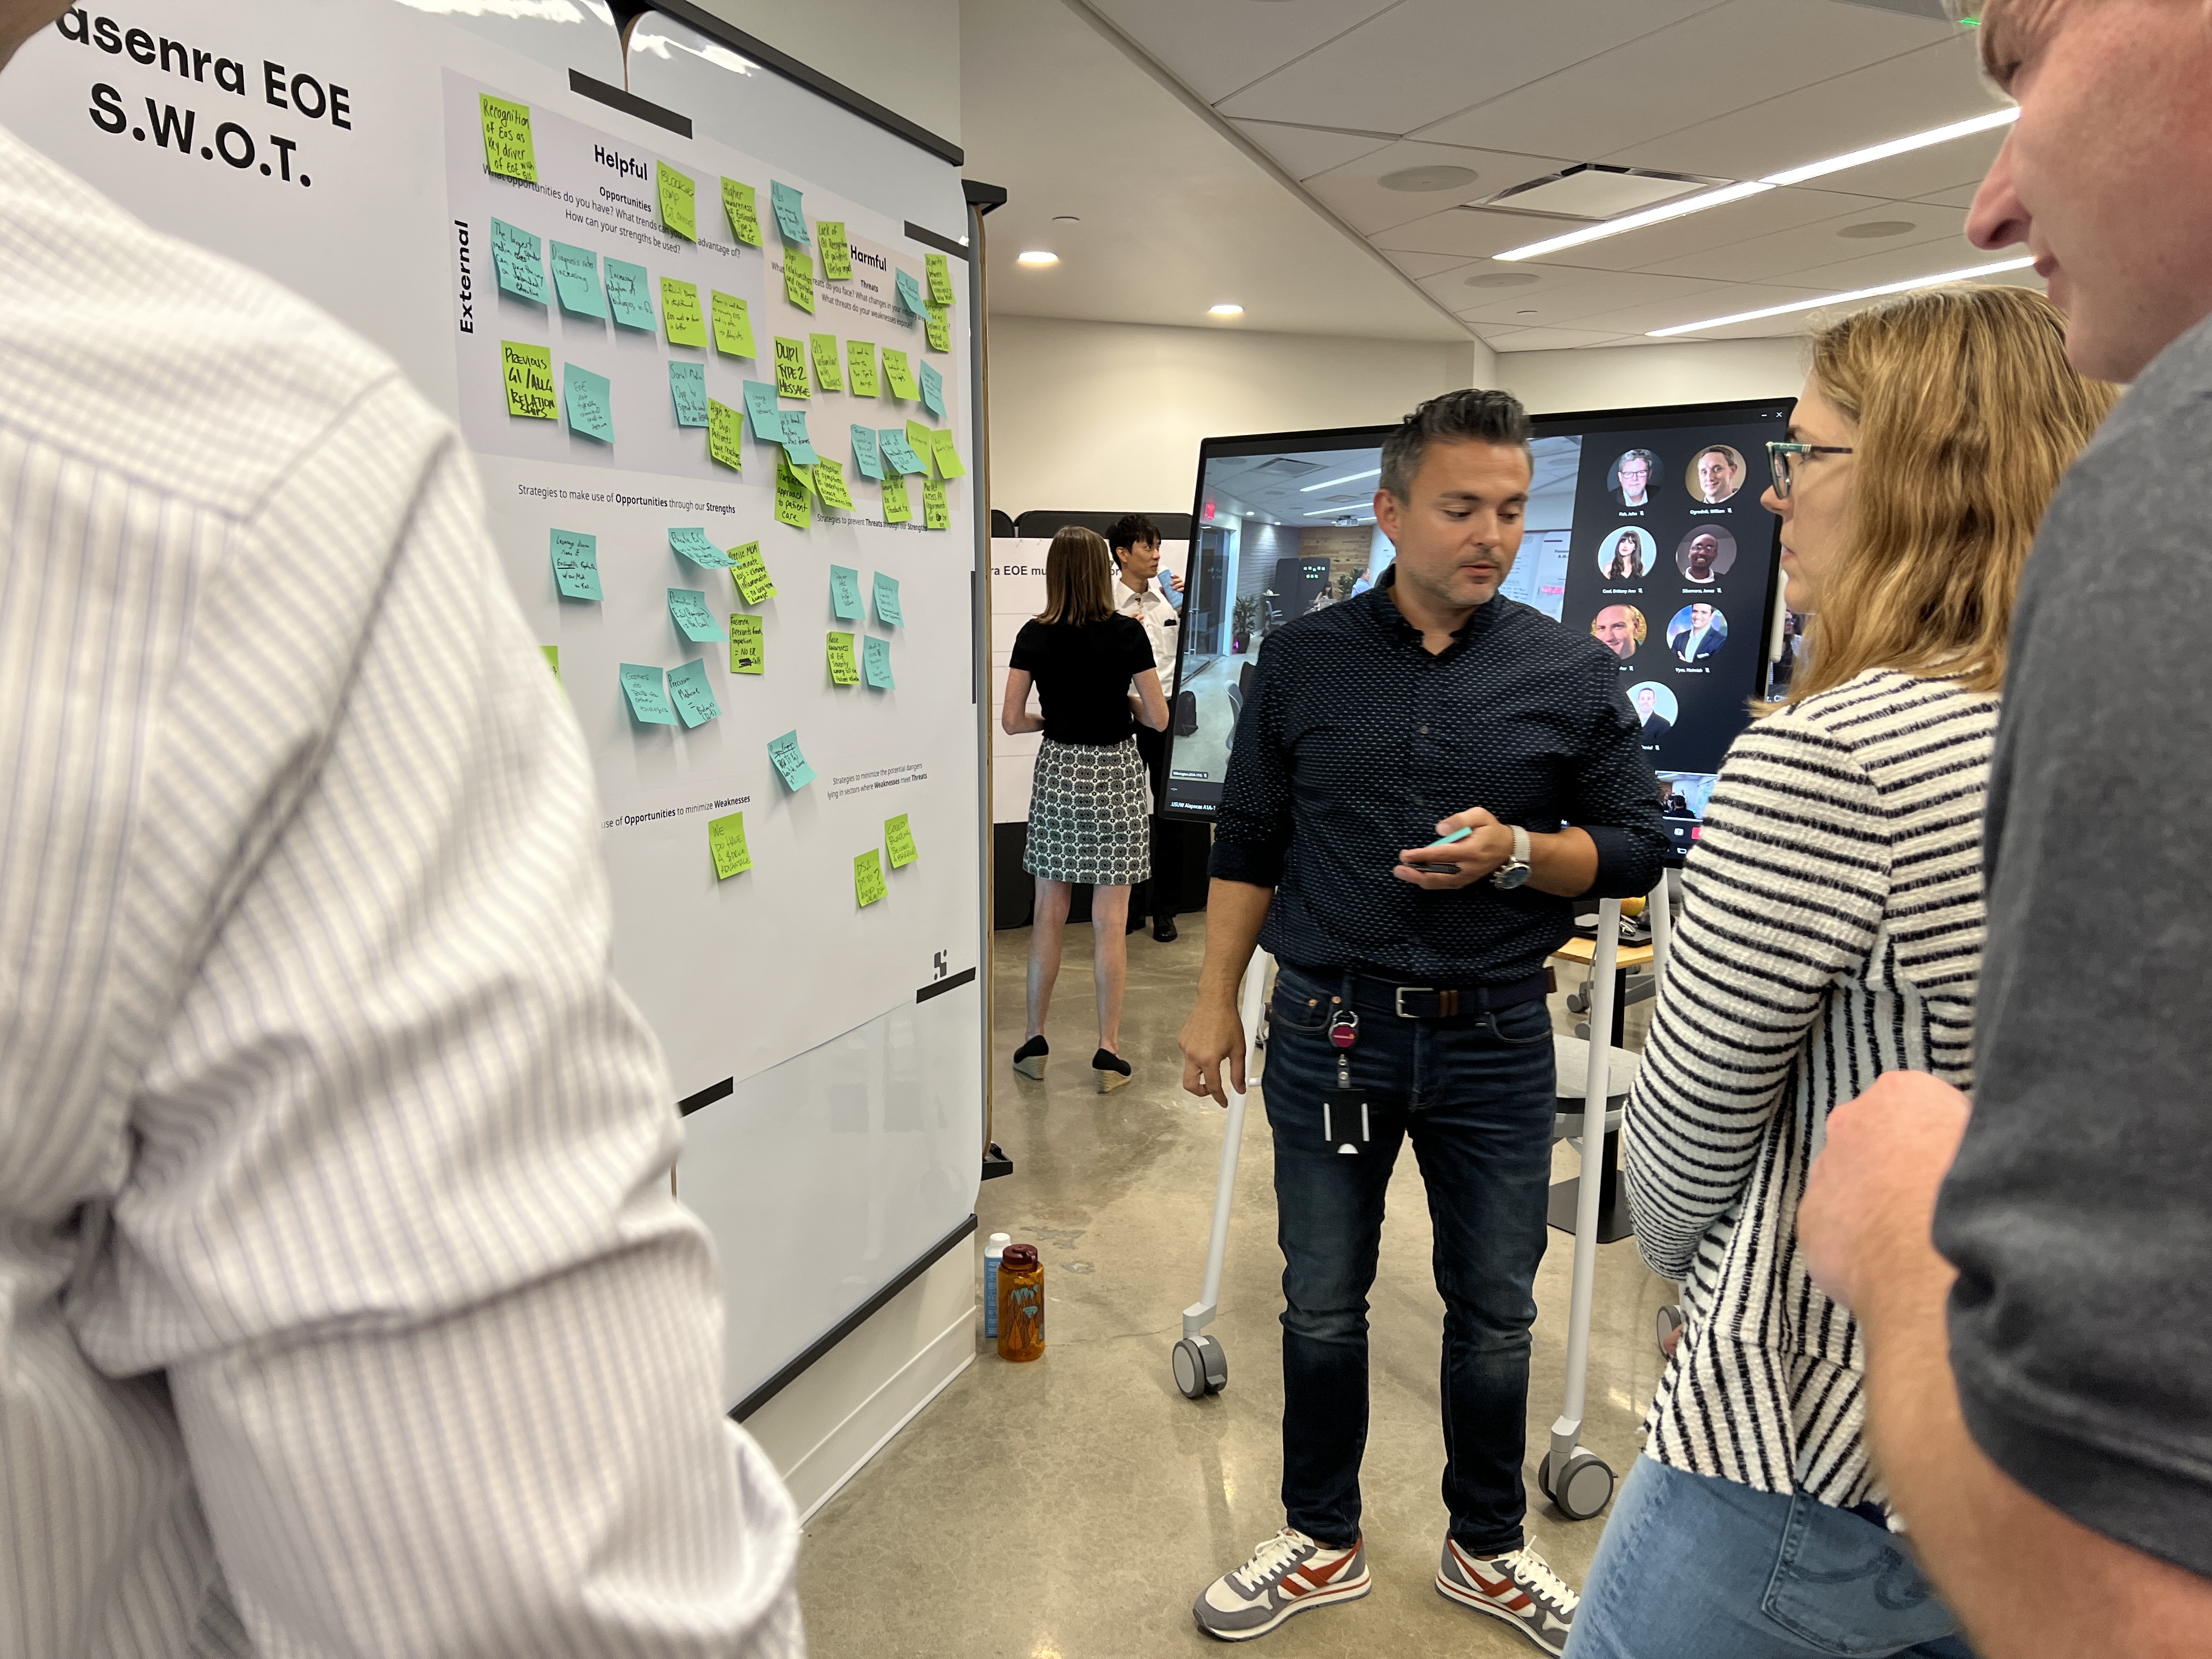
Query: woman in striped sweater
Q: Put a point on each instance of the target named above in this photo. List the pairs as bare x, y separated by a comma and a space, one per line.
1832, 930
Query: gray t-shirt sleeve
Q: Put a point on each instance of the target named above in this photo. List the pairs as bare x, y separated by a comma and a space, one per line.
2079, 1213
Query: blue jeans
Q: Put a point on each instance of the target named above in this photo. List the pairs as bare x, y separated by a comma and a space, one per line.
1475, 1096
1692, 1566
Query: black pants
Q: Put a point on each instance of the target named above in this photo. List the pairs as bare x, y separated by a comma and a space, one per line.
1177, 843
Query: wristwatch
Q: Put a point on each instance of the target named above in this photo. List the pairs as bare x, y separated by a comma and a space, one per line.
1515, 870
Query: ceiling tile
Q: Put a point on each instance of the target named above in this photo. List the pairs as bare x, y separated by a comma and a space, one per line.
1545, 339
1356, 194
1714, 302
1470, 233
1425, 59
1221, 45
1796, 247
1742, 52
1303, 151
1575, 295
1641, 250
1857, 268
1803, 322
1925, 89
1940, 167
1418, 265
1962, 199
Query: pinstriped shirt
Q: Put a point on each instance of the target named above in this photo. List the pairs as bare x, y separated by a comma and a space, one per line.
344, 1309
1832, 930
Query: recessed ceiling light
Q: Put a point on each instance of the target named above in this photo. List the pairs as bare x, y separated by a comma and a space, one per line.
1854, 295
1225, 310
1036, 256
1503, 279
1420, 179
1727, 193
1065, 219
1874, 228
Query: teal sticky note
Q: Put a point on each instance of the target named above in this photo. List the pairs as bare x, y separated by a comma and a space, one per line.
648, 700
909, 293
790, 213
932, 391
876, 663
789, 761
576, 279
517, 258
845, 594
690, 542
761, 410
629, 291
796, 443
693, 696
588, 401
865, 455
576, 564
687, 609
687, 384
887, 605
897, 453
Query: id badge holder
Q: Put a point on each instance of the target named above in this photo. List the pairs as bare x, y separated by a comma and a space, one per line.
1343, 1117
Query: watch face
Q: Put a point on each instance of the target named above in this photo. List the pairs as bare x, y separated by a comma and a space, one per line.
1511, 876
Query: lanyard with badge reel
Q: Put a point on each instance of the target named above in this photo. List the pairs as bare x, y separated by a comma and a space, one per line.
1341, 1108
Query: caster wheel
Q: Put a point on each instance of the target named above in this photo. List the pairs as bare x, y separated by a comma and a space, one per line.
1584, 1487
1200, 1367
1578, 1003
1544, 1475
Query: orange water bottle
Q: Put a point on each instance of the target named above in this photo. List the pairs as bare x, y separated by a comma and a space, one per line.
1021, 1304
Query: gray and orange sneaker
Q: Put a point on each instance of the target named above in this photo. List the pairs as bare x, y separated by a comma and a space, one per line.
1287, 1574
1518, 1587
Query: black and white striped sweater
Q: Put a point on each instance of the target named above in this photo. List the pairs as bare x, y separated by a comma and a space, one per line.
1832, 930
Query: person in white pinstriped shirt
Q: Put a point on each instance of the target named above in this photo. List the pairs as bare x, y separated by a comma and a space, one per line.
344, 1308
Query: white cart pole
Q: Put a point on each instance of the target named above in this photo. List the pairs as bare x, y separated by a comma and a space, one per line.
1200, 1314
1598, 1075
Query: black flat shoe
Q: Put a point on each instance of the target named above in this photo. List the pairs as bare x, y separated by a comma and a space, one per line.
1165, 931
1029, 1058
1112, 1071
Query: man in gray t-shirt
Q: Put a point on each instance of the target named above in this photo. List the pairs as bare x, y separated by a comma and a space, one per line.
2042, 1390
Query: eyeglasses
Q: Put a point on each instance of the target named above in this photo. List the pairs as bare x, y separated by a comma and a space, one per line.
1783, 458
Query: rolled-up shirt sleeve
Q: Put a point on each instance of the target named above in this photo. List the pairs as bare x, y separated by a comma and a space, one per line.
1252, 836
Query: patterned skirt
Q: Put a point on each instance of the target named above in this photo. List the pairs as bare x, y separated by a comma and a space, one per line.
1089, 807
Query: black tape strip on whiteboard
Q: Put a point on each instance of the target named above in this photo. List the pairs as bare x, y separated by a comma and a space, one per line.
942, 986
707, 1096
628, 103
929, 237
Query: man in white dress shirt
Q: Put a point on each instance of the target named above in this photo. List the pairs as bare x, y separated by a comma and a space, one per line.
344, 1307
1135, 540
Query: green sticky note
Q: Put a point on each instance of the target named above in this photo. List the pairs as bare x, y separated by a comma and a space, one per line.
794, 502
507, 147
845, 594
694, 697
932, 391
798, 278
830, 484
868, 877
576, 565
679, 201
679, 313
687, 609
589, 401
750, 572
899, 376
726, 839
843, 671
934, 516
790, 212
937, 330
739, 202
824, 347
876, 657
948, 454
687, 384
529, 371
898, 835
865, 454
552, 654
641, 685
747, 644
920, 439
836, 256
887, 601
576, 279
724, 431
790, 762
940, 279
804, 471
861, 368
629, 291
690, 542
896, 510
790, 371
518, 261
733, 324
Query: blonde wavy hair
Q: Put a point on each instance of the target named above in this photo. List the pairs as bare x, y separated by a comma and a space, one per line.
1968, 414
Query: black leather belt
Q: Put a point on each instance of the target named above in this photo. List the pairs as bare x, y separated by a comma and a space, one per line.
1434, 1001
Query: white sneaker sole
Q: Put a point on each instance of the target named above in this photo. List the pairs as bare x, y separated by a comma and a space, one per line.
1481, 1603
1350, 1592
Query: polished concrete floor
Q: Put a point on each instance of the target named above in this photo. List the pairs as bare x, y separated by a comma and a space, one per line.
1071, 1509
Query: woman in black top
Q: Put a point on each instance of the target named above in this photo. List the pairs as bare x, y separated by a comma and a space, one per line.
1088, 808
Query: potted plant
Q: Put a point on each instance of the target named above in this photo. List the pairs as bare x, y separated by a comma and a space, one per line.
1243, 617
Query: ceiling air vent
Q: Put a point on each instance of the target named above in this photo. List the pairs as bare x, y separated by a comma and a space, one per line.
1284, 467
1591, 191
1930, 8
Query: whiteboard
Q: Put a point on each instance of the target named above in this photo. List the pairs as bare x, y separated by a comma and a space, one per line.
837, 1043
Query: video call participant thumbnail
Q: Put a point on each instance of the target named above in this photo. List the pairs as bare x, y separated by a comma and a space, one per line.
1620, 629
1697, 631
1706, 553
1656, 708
1631, 484
1716, 473
1628, 556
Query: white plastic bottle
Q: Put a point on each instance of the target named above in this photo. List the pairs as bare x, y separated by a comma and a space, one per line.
992, 1252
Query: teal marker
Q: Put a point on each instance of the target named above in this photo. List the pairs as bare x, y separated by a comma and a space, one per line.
1446, 841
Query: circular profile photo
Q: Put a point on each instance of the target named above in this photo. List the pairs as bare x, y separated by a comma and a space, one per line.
1633, 478
1715, 474
1697, 631
1626, 554
1656, 708
1705, 555
1620, 629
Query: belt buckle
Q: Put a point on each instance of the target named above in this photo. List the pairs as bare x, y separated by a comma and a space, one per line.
1399, 1000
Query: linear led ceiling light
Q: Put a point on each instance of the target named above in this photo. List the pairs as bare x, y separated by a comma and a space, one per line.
1727, 193
1855, 294
1349, 478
